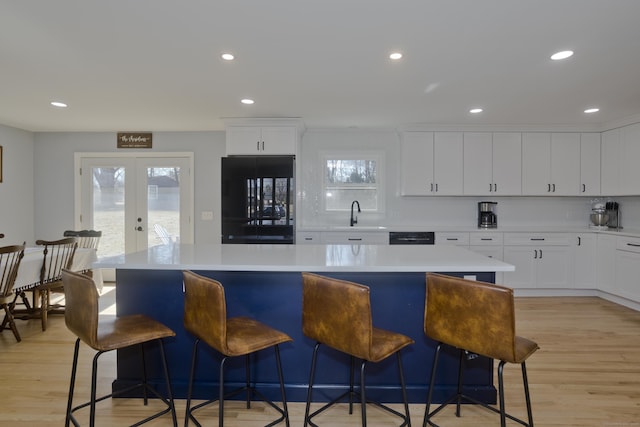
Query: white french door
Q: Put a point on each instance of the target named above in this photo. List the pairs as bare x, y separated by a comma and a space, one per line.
137, 201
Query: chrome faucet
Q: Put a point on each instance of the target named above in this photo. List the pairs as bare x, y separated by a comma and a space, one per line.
354, 220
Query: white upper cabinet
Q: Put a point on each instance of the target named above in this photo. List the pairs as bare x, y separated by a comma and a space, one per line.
590, 164
610, 162
431, 163
263, 136
619, 161
551, 164
629, 158
257, 140
492, 163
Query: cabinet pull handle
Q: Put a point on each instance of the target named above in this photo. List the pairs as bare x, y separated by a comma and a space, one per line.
436, 187
633, 244
554, 188
495, 187
452, 238
432, 187
486, 238
262, 145
540, 253
490, 188
579, 241
535, 254
257, 145
308, 238
355, 239
537, 239
548, 188
584, 188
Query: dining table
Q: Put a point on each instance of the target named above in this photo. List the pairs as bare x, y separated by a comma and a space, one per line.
29, 271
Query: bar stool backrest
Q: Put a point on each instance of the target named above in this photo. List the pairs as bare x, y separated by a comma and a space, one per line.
81, 306
337, 313
476, 316
205, 310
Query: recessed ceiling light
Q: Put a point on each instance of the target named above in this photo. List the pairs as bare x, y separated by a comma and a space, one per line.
247, 101
227, 57
475, 110
58, 104
591, 110
562, 55
395, 56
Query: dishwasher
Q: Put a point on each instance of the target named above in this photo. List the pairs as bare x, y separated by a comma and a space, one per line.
412, 238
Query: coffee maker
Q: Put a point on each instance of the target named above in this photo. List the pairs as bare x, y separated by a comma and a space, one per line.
487, 217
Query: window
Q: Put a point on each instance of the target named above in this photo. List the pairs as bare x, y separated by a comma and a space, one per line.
353, 177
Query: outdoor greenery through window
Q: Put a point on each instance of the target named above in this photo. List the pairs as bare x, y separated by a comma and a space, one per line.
349, 179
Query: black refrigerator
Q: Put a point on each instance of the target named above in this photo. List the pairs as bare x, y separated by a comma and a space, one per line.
258, 199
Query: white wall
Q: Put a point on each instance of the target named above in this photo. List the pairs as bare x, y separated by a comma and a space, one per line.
54, 186
17, 186
407, 212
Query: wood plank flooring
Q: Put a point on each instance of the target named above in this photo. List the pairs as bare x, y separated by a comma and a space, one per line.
586, 374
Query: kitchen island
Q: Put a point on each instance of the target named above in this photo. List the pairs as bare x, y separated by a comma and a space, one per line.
264, 282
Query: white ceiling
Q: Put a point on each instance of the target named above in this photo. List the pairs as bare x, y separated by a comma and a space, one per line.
154, 65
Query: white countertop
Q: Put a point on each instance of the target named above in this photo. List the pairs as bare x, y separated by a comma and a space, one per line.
318, 258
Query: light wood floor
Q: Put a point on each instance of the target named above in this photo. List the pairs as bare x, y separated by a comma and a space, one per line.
587, 373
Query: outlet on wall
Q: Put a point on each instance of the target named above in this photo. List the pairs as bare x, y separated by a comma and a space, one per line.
206, 215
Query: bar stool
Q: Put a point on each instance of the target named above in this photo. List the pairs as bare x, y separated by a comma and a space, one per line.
205, 316
81, 317
337, 313
478, 319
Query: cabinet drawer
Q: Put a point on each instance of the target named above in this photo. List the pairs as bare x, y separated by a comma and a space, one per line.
355, 238
485, 239
629, 244
458, 239
537, 239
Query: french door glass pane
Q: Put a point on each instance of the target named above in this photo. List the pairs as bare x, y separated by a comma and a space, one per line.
163, 205
108, 209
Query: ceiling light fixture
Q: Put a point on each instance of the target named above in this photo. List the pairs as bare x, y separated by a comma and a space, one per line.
227, 57
562, 55
247, 101
591, 110
58, 104
475, 110
395, 56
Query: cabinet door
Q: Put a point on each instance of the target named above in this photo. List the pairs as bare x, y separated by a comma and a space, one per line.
507, 163
585, 270
589, 164
447, 164
629, 160
416, 163
627, 275
522, 257
610, 163
606, 262
478, 163
554, 267
243, 140
494, 252
565, 164
536, 164
279, 140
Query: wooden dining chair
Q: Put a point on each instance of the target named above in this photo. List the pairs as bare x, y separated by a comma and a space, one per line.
88, 239
10, 257
58, 255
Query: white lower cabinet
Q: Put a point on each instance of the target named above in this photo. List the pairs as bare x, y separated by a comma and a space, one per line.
606, 262
585, 267
488, 244
627, 283
452, 238
541, 260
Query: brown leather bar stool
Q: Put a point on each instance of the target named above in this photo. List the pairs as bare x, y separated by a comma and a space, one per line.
478, 319
205, 316
337, 313
81, 318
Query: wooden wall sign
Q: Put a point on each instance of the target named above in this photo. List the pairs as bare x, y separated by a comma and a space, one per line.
135, 139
